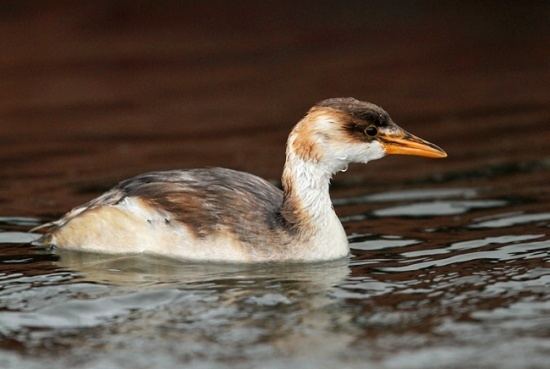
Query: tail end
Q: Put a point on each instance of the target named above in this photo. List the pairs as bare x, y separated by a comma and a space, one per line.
44, 228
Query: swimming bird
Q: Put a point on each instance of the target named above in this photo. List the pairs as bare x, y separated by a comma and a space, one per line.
224, 215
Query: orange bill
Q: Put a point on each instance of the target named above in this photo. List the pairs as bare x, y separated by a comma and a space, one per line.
408, 144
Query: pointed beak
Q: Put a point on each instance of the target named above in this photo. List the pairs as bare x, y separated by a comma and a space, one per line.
401, 142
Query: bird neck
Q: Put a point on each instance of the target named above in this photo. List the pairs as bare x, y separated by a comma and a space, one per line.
306, 203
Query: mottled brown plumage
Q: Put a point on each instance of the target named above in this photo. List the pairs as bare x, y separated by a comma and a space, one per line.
210, 201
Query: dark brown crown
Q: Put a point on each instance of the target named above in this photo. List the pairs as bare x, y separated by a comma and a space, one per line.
357, 109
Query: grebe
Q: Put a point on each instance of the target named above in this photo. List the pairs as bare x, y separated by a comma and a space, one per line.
225, 215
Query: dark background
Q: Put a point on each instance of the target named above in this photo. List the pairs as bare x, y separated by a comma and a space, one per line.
93, 92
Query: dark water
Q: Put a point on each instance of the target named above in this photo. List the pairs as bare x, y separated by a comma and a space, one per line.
441, 276
450, 264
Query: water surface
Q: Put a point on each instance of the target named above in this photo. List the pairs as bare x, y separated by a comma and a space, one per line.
440, 276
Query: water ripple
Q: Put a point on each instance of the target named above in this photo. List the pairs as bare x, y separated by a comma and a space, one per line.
437, 208
511, 220
509, 252
18, 237
408, 195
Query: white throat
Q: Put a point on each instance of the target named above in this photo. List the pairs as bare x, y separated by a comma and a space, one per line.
310, 187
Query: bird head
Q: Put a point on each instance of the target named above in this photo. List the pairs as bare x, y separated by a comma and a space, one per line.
339, 131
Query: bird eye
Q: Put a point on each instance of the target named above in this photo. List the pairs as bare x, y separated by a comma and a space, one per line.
371, 131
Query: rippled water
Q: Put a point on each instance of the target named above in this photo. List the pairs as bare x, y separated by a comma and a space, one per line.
441, 275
